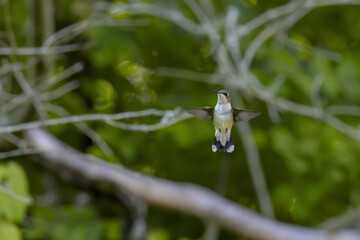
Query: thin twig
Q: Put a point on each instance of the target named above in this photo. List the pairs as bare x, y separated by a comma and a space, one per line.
90, 117
268, 16
253, 161
64, 89
29, 92
344, 110
29, 51
14, 195
15, 140
9, 29
93, 135
169, 14
165, 122
44, 85
18, 152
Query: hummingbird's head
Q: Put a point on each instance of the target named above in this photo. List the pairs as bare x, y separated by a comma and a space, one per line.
223, 96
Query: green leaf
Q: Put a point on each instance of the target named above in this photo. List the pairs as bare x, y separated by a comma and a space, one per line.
158, 234
9, 231
13, 177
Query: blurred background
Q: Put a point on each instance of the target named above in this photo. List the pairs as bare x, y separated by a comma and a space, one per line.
297, 63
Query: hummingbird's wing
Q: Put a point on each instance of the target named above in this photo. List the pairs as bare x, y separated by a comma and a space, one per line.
205, 114
244, 115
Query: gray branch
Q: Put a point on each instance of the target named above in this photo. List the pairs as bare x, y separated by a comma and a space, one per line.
169, 117
182, 197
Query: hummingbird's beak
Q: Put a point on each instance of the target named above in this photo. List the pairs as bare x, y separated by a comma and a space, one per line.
214, 90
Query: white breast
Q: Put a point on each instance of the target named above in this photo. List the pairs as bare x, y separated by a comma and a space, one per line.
223, 108
223, 122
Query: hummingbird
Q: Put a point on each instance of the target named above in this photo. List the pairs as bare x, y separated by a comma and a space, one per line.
223, 117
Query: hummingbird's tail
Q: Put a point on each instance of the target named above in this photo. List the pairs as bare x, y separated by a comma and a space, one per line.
229, 146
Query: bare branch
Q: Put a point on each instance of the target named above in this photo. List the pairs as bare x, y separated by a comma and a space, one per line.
231, 37
348, 219
94, 117
253, 161
14, 195
344, 110
268, 16
26, 51
9, 67
169, 118
73, 69
269, 32
322, 3
186, 198
68, 87
18, 152
52, 80
8, 26
93, 135
29, 93
172, 15
257, 174
206, 24
15, 140
66, 33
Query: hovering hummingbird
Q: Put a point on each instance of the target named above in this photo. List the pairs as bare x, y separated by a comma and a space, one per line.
223, 117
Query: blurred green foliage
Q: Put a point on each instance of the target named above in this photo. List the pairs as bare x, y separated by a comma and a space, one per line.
13, 176
68, 223
12, 209
311, 169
